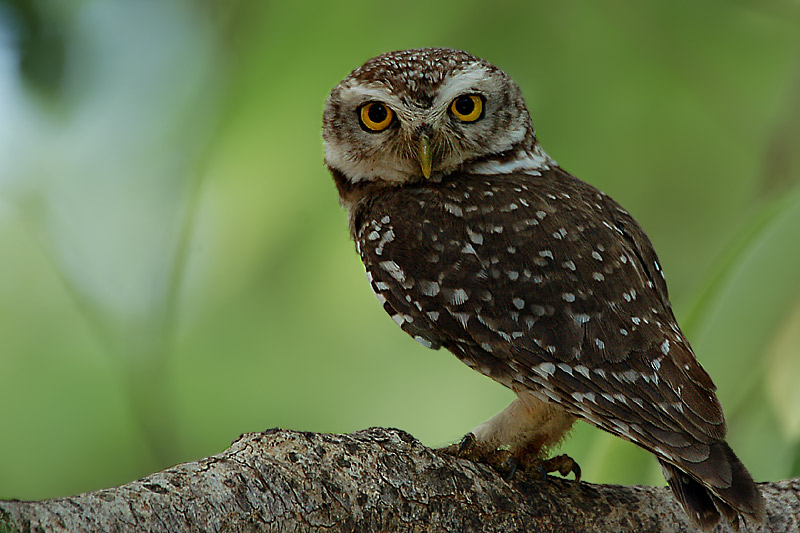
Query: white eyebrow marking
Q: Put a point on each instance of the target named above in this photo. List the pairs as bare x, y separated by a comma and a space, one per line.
463, 81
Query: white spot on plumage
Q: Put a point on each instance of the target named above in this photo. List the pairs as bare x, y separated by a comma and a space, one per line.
513, 275
386, 219
622, 426
468, 249
630, 376
597, 255
541, 214
582, 370
429, 288
373, 235
582, 318
399, 319
598, 276
547, 368
463, 318
453, 209
665, 347
565, 367
475, 237
600, 344
519, 303
458, 296
393, 269
546, 253
568, 297
423, 341
569, 264
433, 315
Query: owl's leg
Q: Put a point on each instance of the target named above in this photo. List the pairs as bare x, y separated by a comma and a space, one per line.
521, 435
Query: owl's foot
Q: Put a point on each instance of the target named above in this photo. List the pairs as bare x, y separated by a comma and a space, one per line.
499, 458
563, 464
507, 463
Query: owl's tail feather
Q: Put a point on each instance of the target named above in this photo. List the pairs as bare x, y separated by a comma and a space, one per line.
704, 502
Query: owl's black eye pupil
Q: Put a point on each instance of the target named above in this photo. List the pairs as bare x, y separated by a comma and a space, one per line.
377, 113
465, 105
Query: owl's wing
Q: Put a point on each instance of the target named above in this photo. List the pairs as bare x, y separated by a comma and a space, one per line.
549, 284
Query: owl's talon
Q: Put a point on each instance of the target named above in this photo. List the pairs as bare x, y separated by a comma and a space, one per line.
542, 470
511, 464
563, 464
466, 442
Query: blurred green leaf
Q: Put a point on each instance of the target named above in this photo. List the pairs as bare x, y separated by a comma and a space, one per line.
783, 373
749, 309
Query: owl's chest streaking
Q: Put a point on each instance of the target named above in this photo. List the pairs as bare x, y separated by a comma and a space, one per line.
502, 268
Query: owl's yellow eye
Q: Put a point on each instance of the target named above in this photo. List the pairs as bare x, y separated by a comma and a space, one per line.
375, 116
467, 107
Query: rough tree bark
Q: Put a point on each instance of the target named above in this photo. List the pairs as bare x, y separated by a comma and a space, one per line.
371, 480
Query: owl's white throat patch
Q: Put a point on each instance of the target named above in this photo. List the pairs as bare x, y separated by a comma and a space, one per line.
532, 162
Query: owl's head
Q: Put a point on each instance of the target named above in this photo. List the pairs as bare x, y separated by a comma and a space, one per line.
416, 114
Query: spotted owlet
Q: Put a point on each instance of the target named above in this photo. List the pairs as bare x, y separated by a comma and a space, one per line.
475, 240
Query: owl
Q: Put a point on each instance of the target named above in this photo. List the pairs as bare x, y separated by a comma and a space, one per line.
476, 241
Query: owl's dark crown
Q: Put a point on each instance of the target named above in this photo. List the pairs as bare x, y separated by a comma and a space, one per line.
419, 72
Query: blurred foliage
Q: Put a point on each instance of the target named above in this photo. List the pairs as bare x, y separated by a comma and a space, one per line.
176, 269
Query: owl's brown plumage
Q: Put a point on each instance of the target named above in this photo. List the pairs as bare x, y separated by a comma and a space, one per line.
524, 272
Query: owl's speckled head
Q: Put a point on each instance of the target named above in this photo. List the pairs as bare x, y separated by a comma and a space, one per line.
412, 115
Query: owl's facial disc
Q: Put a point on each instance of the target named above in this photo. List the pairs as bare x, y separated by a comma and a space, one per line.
389, 122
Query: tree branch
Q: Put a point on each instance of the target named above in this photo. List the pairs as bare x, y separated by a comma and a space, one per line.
372, 480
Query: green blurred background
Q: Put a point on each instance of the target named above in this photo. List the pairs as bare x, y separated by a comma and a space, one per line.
175, 268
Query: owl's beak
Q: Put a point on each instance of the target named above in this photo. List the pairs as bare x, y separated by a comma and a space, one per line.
425, 155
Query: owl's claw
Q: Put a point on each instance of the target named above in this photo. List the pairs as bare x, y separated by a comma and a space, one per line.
563, 464
498, 458
511, 464
466, 441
